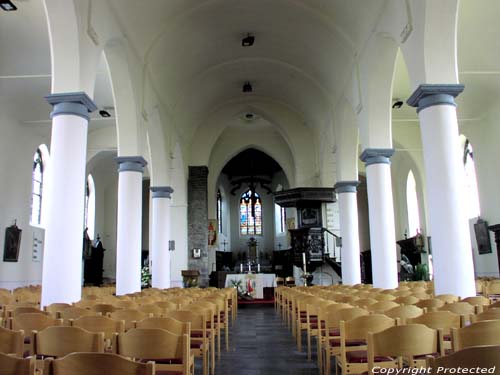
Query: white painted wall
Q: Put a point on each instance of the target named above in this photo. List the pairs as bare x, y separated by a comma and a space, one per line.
18, 143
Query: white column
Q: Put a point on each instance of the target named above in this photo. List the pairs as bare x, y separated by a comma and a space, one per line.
381, 215
348, 206
64, 194
129, 224
160, 237
444, 172
178, 231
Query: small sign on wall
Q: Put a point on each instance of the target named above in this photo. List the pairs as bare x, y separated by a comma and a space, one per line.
37, 247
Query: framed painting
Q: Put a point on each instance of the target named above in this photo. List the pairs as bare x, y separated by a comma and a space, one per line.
12, 244
482, 236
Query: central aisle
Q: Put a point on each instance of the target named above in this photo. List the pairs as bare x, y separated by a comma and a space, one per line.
260, 344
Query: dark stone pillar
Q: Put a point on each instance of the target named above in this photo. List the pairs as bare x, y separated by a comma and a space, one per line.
198, 221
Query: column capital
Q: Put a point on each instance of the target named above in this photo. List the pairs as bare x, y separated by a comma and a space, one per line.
161, 191
377, 156
428, 95
131, 163
346, 187
71, 103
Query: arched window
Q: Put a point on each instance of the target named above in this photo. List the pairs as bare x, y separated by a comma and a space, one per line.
219, 211
37, 188
280, 218
89, 219
471, 192
412, 205
250, 213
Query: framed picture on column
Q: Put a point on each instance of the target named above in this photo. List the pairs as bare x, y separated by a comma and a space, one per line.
12, 244
482, 236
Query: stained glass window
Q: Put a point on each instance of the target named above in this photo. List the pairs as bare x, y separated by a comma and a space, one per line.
250, 217
37, 189
219, 211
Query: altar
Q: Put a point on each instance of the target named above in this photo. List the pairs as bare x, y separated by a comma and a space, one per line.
253, 283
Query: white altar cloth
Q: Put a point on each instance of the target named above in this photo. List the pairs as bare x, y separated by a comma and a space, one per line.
253, 283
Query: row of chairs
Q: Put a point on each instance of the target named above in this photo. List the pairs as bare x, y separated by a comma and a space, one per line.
302, 309
209, 312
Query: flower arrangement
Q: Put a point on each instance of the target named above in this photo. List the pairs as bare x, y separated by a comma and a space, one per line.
145, 277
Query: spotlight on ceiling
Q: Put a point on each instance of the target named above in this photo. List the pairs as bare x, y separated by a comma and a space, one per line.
248, 41
249, 116
397, 104
247, 87
104, 113
7, 5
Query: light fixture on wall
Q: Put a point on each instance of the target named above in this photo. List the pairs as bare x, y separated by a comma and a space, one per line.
104, 113
397, 103
247, 87
7, 5
248, 40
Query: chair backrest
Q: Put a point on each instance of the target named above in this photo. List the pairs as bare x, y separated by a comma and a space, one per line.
96, 364
97, 323
75, 313
104, 308
384, 297
407, 300
477, 301
168, 324
151, 309
461, 308
16, 366
364, 302
431, 304
405, 341
490, 314
126, 304
485, 357
129, 317
11, 342
382, 306
63, 340
447, 298
486, 332
404, 312
153, 344
197, 320
25, 310
358, 328
54, 308
166, 305
32, 322
445, 320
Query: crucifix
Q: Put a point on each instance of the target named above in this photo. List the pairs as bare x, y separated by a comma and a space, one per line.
224, 243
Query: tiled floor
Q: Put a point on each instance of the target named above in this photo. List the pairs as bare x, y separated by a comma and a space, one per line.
260, 344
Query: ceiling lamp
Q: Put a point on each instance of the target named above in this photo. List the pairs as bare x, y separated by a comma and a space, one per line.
248, 41
7, 5
247, 87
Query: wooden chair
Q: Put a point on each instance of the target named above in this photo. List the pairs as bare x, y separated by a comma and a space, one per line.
210, 311
201, 341
353, 357
126, 304
63, 340
151, 309
447, 298
407, 300
442, 320
11, 342
404, 312
129, 317
32, 322
54, 308
486, 357
166, 305
402, 345
169, 351
96, 364
364, 302
16, 366
99, 323
492, 289
486, 332
384, 297
166, 323
490, 314
430, 304
300, 317
479, 301
25, 310
74, 313
104, 308
290, 281
463, 309
329, 344
381, 307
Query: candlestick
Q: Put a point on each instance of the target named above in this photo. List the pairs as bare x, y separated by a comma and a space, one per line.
304, 261
241, 268
258, 268
249, 267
